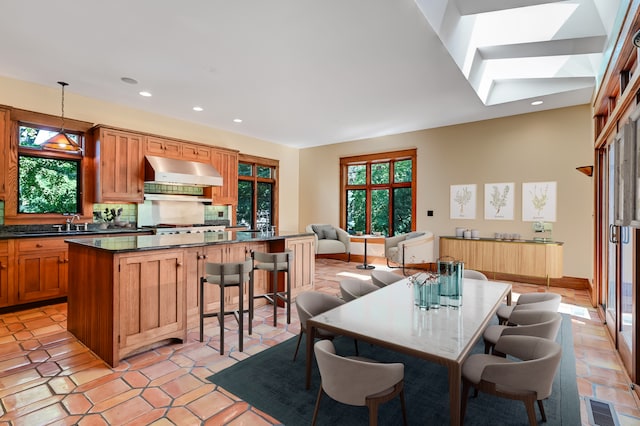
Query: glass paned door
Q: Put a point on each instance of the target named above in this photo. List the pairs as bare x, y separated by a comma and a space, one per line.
627, 243
612, 246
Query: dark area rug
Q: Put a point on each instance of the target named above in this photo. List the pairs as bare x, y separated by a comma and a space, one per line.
273, 383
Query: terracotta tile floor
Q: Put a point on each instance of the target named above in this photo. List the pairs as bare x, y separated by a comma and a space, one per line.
48, 377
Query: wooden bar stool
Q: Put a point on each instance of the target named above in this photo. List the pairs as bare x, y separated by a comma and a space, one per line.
226, 275
274, 262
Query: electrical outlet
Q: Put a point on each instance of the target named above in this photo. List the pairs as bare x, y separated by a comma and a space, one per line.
429, 213
220, 214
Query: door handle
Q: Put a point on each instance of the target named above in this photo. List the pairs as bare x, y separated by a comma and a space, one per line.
613, 237
626, 234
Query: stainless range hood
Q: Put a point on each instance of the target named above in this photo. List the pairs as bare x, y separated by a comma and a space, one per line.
169, 171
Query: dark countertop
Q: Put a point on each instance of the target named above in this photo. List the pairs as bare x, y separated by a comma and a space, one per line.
5, 235
157, 242
503, 241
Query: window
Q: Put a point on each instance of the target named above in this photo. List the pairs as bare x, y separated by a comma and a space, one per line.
48, 181
378, 192
257, 192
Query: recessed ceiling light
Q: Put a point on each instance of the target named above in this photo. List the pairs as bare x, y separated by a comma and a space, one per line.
535, 103
237, 120
197, 108
145, 94
129, 80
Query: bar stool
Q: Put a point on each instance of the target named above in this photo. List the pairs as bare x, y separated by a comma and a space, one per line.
274, 262
226, 275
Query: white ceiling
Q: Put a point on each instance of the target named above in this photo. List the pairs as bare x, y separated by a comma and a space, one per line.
307, 72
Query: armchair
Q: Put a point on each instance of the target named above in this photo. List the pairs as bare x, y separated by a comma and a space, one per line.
330, 240
413, 247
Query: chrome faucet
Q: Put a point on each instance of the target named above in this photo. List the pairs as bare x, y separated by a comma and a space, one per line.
70, 221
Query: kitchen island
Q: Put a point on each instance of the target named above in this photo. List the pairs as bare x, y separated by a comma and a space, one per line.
128, 294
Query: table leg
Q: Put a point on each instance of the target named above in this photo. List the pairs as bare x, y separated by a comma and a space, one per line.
311, 332
365, 265
455, 388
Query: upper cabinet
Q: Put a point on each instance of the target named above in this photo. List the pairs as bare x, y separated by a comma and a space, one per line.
162, 147
226, 161
4, 148
119, 166
195, 152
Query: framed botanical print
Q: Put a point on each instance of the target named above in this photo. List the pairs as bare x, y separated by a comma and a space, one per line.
463, 202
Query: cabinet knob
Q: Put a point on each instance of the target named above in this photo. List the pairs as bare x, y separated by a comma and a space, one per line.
39, 245
3, 266
178, 263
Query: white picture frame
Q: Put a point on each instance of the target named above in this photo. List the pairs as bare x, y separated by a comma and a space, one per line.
539, 201
499, 201
463, 201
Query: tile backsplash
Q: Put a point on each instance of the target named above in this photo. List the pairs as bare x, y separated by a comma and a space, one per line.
1, 212
129, 211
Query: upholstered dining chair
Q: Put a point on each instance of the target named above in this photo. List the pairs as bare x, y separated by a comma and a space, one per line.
352, 288
476, 275
545, 324
312, 303
528, 380
410, 248
358, 381
532, 302
383, 278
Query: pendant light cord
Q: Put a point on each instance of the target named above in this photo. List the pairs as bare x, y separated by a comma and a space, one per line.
62, 83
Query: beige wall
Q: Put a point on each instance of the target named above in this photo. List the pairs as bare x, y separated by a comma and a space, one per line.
43, 99
544, 146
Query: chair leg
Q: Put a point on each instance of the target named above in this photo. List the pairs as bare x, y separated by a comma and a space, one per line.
373, 413
531, 412
241, 316
487, 347
288, 302
201, 309
404, 408
541, 407
250, 292
221, 319
355, 342
274, 295
317, 407
298, 345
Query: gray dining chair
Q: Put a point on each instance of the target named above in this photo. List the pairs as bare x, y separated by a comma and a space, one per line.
476, 275
352, 288
545, 324
532, 302
528, 379
358, 381
381, 278
312, 303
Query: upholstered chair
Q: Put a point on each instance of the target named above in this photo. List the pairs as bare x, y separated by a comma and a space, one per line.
410, 248
383, 278
312, 303
543, 324
532, 302
358, 381
476, 275
352, 288
528, 380
330, 240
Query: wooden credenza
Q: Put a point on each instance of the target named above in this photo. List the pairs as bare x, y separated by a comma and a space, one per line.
527, 258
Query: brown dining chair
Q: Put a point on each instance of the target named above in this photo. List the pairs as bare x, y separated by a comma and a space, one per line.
532, 302
528, 379
545, 324
358, 381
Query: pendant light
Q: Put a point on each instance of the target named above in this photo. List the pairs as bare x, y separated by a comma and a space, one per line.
61, 141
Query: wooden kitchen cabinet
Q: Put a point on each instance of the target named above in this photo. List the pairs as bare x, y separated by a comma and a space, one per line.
303, 265
5, 267
196, 152
151, 294
226, 162
162, 147
42, 268
119, 166
4, 149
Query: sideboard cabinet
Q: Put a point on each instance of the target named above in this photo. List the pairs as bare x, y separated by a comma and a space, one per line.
528, 258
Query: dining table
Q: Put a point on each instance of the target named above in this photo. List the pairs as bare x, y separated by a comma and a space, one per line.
389, 318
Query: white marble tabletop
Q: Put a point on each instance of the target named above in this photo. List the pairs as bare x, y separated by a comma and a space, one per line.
388, 317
